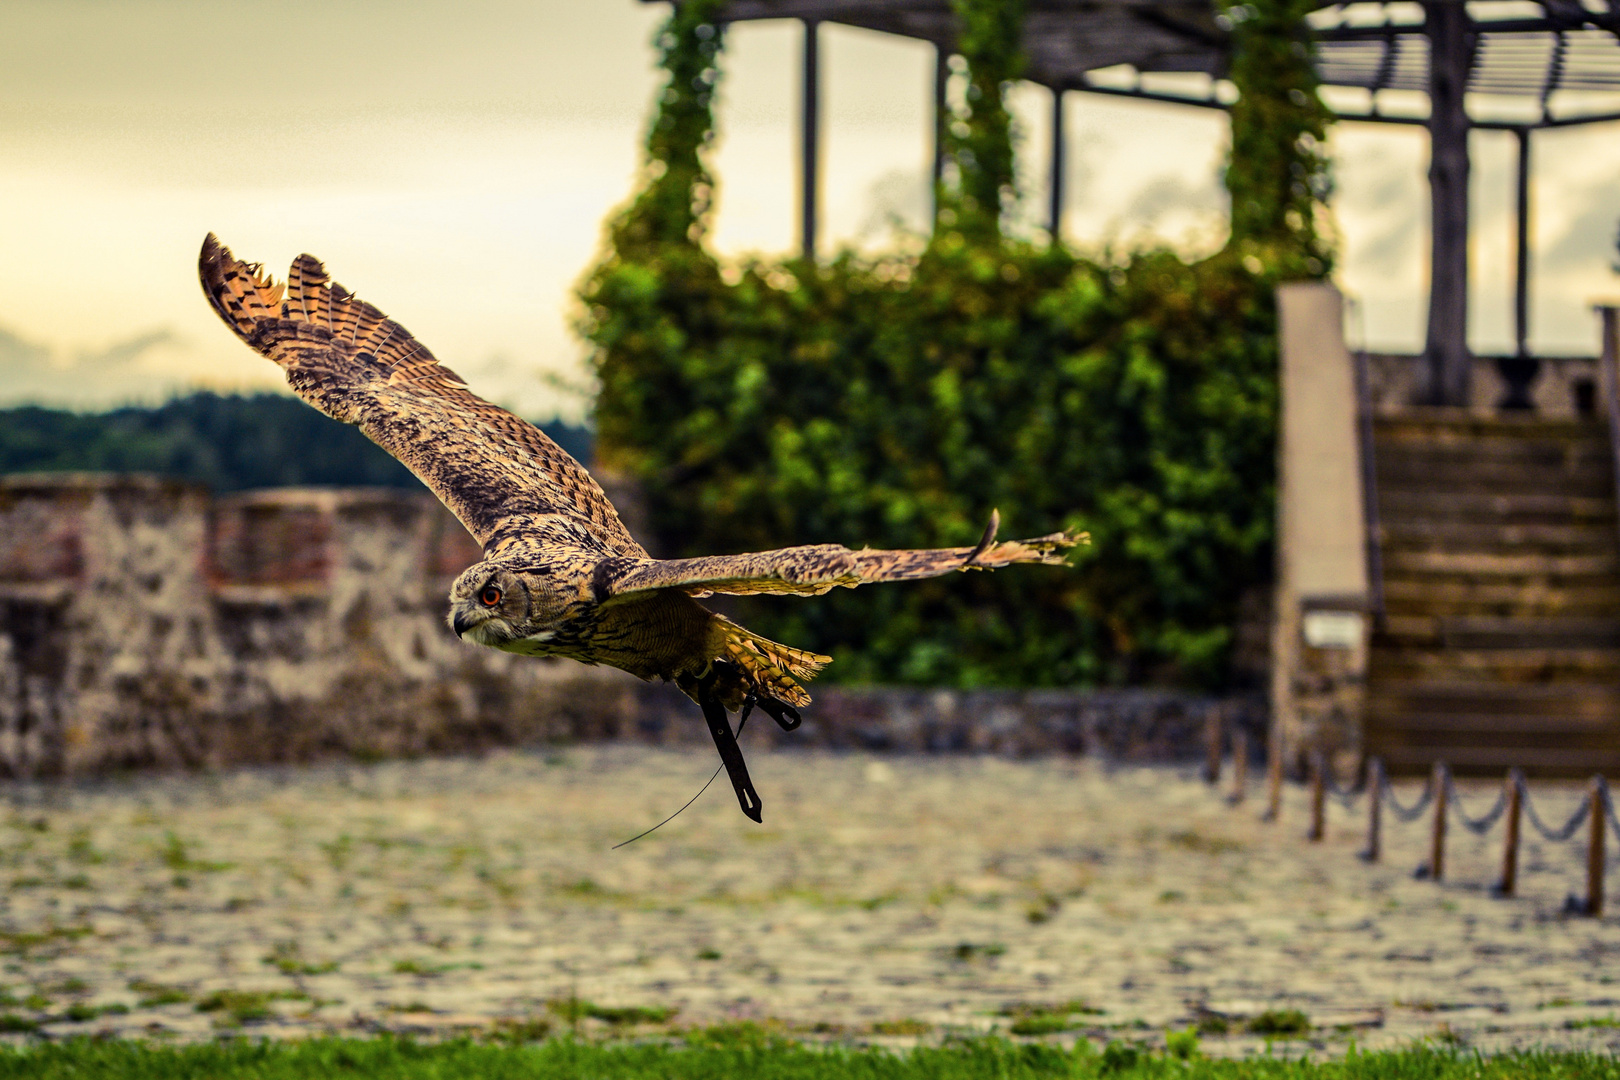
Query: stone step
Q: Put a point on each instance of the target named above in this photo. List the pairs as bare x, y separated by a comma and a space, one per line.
1547, 729
1532, 596
1499, 632
1410, 663
1585, 449
1527, 568
1504, 734
1506, 443
1497, 508
1580, 705
1565, 538
1589, 483
1498, 457
1448, 427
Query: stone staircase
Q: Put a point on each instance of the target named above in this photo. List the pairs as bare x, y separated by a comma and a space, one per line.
1500, 549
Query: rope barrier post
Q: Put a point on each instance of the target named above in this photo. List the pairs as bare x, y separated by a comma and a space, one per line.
1240, 765
1318, 802
1274, 774
1510, 843
1437, 839
1212, 746
1375, 808
1594, 851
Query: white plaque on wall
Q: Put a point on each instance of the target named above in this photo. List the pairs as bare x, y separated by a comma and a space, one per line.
1332, 629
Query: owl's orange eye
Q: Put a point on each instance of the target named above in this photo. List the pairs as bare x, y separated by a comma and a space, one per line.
490, 596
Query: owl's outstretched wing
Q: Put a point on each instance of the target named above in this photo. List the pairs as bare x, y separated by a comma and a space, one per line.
503, 477
818, 568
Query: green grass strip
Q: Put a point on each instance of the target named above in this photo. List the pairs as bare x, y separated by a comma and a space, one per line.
765, 1059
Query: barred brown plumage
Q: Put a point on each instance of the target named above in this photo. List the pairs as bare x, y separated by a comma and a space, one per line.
561, 575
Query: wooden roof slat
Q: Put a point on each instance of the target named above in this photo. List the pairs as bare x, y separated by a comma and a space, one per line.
1569, 47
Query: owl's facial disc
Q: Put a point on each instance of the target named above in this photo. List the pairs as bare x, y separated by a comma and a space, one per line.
488, 605
510, 608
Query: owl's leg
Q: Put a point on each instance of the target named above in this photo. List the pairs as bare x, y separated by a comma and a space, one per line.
731, 756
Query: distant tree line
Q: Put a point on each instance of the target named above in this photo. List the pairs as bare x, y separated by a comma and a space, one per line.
228, 442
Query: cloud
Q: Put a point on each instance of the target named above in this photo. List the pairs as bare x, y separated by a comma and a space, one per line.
1391, 224
26, 367
130, 369
1588, 241
16, 352
1169, 194
898, 201
126, 352
1185, 214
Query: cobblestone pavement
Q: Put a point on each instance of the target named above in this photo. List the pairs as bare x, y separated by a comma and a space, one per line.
884, 898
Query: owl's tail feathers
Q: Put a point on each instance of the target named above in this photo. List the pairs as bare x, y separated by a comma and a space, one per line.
768, 669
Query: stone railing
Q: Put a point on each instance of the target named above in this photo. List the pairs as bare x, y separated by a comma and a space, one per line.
1563, 386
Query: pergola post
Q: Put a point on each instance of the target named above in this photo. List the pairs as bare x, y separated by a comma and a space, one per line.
1521, 279
809, 141
942, 76
1447, 361
1056, 217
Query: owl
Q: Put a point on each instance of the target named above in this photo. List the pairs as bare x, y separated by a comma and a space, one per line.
560, 573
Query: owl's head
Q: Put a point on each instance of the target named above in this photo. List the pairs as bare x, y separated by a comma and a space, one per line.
506, 607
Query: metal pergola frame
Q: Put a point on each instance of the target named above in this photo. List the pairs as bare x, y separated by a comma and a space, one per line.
1458, 49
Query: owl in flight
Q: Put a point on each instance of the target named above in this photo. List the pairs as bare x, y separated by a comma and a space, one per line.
560, 576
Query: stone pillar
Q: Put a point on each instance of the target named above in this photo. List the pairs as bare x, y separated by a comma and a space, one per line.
1320, 623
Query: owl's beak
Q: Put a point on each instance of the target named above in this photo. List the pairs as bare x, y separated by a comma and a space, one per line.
462, 621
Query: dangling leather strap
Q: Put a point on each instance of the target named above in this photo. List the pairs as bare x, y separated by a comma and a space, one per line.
730, 753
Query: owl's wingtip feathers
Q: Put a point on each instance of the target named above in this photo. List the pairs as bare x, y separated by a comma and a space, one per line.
240, 292
1048, 550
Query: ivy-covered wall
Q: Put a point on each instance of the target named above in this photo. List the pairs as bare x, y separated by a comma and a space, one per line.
894, 400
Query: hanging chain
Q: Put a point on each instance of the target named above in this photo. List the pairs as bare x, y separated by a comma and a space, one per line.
1556, 836
1481, 825
1408, 813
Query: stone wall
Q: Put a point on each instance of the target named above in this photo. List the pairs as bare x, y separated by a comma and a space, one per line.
144, 623
1139, 725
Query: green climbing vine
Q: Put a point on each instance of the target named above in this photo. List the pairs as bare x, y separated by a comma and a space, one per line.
893, 400
981, 186
1278, 173
677, 191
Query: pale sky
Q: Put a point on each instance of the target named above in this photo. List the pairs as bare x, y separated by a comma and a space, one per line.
454, 164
